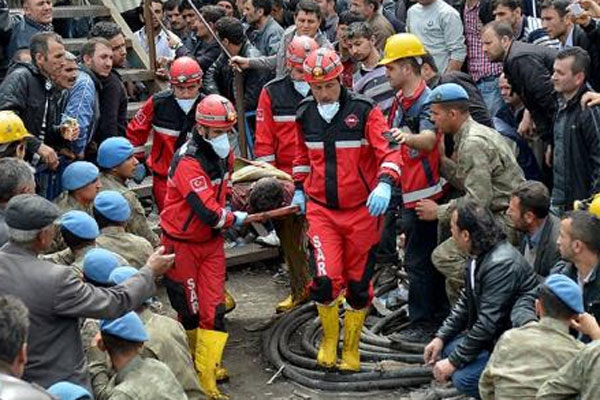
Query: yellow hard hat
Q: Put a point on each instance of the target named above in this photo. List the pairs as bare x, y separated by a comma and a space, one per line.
594, 207
402, 45
11, 127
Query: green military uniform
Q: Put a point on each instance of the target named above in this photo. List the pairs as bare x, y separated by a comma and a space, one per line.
143, 379
168, 344
577, 379
74, 259
137, 224
133, 248
66, 202
484, 168
524, 358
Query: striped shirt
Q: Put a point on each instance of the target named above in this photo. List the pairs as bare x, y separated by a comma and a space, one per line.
375, 85
478, 63
532, 31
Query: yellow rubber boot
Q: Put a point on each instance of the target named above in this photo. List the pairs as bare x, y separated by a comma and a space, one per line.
353, 323
192, 334
329, 315
209, 352
229, 302
290, 303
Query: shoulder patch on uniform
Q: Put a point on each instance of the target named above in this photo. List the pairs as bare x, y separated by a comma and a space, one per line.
140, 117
199, 184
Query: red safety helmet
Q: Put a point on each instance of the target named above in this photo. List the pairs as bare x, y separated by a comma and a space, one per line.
215, 111
185, 70
298, 49
322, 65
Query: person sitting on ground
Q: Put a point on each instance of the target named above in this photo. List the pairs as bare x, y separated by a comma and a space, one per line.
14, 328
118, 164
167, 341
112, 212
79, 232
505, 376
529, 212
81, 184
498, 284
136, 378
15, 178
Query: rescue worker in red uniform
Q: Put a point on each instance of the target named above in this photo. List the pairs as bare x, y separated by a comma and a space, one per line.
410, 119
193, 217
168, 115
344, 171
275, 144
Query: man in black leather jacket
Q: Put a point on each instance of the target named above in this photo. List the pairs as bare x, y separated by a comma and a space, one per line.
220, 80
499, 284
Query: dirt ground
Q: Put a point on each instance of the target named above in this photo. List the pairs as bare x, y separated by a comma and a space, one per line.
257, 292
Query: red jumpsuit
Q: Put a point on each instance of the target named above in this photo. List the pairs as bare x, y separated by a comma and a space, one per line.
338, 164
276, 123
192, 218
162, 118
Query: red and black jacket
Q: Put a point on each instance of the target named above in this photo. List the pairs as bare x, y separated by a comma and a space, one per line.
197, 188
162, 117
276, 123
339, 163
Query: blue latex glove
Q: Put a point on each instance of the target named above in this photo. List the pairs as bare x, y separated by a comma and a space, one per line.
299, 199
379, 199
240, 217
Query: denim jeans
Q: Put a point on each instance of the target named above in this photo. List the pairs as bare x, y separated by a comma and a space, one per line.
491, 94
466, 379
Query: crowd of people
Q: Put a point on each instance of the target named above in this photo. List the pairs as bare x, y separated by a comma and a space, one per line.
470, 129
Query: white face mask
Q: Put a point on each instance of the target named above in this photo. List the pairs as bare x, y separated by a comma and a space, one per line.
328, 110
186, 104
220, 145
301, 87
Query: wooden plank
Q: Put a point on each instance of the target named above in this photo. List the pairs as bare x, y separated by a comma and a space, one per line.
249, 253
64, 12
136, 75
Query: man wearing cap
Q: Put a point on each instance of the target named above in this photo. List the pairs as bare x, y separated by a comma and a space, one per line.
79, 232
16, 177
69, 391
275, 144
12, 135
168, 117
167, 341
346, 169
81, 183
193, 216
482, 166
115, 157
112, 211
136, 377
56, 298
524, 358
410, 119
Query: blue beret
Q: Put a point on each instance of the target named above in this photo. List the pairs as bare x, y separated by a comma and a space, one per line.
447, 92
78, 175
80, 224
567, 290
114, 151
112, 205
69, 391
129, 327
98, 264
121, 274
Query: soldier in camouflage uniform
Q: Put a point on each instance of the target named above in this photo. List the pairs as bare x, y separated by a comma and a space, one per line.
81, 183
112, 211
80, 232
115, 157
483, 167
577, 379
524, 358
136, 378
167, 341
